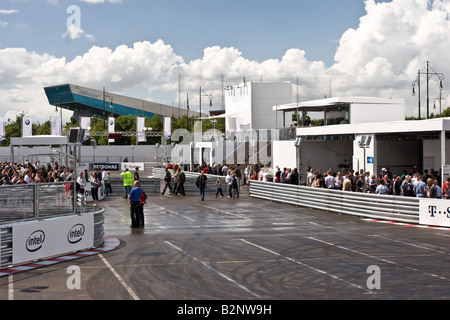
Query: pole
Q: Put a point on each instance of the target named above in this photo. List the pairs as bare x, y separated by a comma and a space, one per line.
428, 93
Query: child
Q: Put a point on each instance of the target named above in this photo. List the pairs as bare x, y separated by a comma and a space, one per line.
219, 188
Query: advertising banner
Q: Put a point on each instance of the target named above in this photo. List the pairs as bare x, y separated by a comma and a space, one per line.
132, 165
434, 212
88, 193
45, 238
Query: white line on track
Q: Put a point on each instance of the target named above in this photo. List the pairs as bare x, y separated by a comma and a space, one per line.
307, 266
409, 244
227, 212
214, 270
10, 287
122, 282
174, 212
378, 258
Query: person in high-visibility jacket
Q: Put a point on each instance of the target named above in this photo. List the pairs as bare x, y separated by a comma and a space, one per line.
127, 182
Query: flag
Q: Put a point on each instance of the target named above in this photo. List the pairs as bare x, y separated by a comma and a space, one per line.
111, 127
56, 126
2, 129
27, 127
140, 125
85, 123
168, 128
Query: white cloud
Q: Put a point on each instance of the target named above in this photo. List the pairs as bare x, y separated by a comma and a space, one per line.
101, 1
73, 32
9, 11
393, 41
380, 57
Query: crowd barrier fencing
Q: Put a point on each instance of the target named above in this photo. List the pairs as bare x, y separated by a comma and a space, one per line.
366, 205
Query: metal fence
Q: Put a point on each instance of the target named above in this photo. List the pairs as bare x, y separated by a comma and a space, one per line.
36, 201
393, 208
191, 178
374, 206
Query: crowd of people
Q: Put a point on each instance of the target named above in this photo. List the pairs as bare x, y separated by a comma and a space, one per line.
29, 173
413, 183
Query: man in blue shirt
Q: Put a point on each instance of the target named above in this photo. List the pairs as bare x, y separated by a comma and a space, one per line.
135, 196
420, 188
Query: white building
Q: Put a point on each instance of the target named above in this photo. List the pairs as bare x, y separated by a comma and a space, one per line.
249, 105
390, 141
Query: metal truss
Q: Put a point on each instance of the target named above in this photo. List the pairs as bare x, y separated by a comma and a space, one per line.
125, 134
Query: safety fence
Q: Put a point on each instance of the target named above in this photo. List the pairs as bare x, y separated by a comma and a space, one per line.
191, 178
39, 205
375, 206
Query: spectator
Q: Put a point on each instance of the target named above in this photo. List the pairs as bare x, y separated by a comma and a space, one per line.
382, 188
408, 187
293, 178
420, 188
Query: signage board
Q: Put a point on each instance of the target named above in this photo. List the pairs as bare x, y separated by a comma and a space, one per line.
434, 212
132, 165
107, 166
51, 237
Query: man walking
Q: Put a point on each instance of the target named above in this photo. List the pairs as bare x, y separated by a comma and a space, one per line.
181, 180
135, 202
167, 180
201, 184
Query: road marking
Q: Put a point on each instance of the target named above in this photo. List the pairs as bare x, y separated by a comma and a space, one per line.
174, 212
227, 212
124, 284
378, 258
409, 244
10, 287
307, 266
214, 270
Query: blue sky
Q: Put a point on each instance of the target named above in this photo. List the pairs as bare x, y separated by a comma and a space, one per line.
260, 29
141, 47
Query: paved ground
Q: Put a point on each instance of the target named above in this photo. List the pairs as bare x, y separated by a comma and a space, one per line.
247, 249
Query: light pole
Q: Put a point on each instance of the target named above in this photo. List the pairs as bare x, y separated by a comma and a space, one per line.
203, 94
104, 108
429, 73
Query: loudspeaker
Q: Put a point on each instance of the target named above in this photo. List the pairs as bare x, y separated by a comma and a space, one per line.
74, 135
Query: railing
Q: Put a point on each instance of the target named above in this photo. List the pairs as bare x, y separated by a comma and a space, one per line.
374, 206
36, 201
394, 208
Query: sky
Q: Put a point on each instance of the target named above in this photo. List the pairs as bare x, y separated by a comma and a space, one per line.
162, 50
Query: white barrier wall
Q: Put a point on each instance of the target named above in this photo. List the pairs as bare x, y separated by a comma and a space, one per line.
434, 212
51, 237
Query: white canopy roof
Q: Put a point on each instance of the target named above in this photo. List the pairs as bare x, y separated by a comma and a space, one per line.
44, 140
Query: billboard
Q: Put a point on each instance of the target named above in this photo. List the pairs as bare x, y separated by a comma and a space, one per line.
46, 238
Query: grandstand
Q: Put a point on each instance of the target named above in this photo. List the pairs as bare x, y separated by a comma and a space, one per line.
86, 102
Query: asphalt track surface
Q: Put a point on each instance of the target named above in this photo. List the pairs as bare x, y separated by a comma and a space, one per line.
247, 250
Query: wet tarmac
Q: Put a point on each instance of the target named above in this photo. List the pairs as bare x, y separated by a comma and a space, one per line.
246, 249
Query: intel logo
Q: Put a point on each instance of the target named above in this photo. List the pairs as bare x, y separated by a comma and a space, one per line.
76, 233
35, 241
